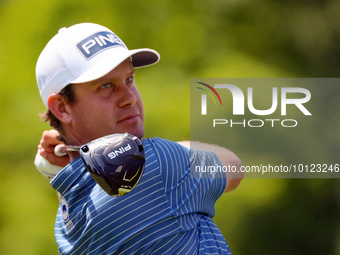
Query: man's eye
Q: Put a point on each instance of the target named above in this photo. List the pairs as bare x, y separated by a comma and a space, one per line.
129, 79
106, 86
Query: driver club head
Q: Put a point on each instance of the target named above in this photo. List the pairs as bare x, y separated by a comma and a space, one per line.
116, 162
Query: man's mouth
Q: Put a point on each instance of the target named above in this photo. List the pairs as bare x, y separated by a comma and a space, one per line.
129, 118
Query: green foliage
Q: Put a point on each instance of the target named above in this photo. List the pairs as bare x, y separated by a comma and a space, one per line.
195, 39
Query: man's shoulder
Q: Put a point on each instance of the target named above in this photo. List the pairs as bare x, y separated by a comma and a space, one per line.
164, 146
168, 153
160, 141
155, 140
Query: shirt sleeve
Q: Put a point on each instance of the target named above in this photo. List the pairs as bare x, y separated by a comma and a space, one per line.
194, 192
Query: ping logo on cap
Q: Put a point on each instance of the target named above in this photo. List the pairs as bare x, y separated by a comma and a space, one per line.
98, 42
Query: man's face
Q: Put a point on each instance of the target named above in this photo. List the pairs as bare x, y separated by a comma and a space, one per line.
111, 104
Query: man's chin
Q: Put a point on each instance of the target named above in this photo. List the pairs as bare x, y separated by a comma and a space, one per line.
139, 132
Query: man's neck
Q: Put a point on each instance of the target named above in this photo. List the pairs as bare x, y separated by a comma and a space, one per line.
73, 155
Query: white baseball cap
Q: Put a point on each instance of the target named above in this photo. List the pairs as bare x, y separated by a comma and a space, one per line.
81, 53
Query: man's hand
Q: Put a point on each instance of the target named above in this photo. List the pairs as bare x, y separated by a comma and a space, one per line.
46, 148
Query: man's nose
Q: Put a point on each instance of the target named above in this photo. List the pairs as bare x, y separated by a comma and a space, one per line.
127, 96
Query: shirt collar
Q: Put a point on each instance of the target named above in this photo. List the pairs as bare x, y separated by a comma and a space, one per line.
66, 177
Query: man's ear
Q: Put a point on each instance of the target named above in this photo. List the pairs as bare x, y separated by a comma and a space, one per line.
58, 106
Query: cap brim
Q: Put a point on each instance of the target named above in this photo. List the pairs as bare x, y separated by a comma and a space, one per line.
140, 58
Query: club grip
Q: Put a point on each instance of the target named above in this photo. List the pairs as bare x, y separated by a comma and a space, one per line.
60, 150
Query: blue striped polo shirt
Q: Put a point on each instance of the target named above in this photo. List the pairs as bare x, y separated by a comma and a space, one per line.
168, 212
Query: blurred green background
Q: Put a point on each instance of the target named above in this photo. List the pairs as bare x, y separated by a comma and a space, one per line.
196, 39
